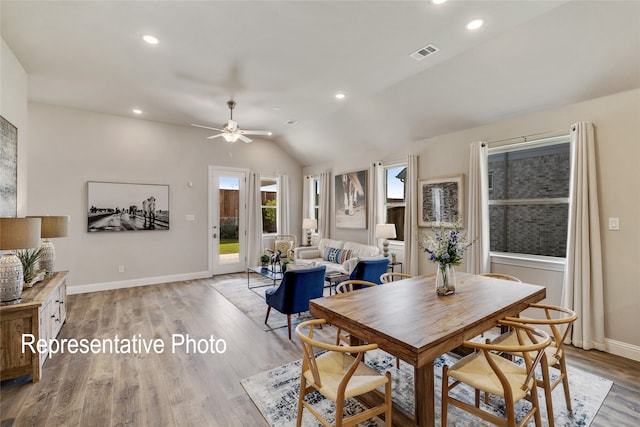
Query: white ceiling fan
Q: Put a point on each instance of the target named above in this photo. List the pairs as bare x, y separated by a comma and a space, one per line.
230, 132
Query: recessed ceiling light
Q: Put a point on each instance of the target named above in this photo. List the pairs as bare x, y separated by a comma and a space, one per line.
150, 39
475, 24
340, 95
438, 1
137, 111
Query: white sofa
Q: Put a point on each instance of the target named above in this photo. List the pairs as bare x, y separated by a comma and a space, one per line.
337, 255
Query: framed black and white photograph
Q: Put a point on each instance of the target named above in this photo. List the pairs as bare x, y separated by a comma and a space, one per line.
351, 200
114, 206
440, 201
8, 169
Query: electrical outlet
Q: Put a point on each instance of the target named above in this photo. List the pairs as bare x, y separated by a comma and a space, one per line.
121, 269
614, 224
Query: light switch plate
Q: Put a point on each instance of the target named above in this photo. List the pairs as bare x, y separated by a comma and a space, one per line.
614, 223
190, 217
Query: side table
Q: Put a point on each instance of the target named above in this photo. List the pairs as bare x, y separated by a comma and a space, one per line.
393, 265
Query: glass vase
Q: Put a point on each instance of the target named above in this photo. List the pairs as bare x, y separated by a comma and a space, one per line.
445, 280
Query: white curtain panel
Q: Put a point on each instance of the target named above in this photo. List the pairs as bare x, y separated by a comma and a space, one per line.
411, 249
583, 285
478, 210
324, 214
254, 226
376, 205
283, 204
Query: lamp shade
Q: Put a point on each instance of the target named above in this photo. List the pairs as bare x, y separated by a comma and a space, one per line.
53, 226
19, 233
309, 224
386, 231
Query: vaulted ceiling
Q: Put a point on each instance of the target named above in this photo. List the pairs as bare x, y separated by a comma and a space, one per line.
283, 62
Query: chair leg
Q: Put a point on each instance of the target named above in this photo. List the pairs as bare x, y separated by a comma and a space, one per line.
387, 398
536, 404
565, 382
546, 384
445, 394
289, 324
303, 388
268, 311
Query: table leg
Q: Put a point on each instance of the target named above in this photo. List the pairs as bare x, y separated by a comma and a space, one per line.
424, 395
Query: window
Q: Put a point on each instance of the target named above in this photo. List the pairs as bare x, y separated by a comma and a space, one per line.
314, 198
394, 193
529, 197
269, 200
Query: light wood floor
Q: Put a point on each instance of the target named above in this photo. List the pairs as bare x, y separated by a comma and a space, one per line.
178, 389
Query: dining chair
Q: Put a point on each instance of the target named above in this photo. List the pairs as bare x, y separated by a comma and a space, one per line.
502, 276
392, 276
346, 287
560, 321
485, 370
339, 373
370, 270
295, 291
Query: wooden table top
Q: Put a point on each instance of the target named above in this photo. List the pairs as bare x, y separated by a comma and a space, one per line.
408, 318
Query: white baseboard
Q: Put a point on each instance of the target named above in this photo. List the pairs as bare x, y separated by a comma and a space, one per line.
623, 349
121, 284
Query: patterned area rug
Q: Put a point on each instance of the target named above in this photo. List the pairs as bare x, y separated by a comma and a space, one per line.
275, 393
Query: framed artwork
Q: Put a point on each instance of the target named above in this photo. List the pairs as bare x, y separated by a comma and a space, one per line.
351, 200
8, 169
440, 201
114, 206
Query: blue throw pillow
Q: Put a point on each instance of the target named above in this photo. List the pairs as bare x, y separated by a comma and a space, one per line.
337, 255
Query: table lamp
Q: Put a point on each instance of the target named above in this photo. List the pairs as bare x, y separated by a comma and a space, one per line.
15, 233
309, 224
52, 226
386, 232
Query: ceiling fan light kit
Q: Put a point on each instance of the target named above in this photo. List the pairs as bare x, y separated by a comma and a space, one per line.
231, 132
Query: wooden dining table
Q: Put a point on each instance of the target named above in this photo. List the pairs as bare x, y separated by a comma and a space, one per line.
407, 319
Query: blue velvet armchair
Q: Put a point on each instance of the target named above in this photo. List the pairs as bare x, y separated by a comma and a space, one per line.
295, 291
370, 270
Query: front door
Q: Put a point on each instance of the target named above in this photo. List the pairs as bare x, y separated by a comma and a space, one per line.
227, 220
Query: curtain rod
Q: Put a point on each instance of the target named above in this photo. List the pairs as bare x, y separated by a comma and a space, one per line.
524, 138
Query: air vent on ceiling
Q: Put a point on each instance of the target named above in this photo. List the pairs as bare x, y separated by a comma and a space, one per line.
424, 52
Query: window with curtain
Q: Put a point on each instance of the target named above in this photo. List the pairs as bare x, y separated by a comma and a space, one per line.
269, 201
394, 197
529, 197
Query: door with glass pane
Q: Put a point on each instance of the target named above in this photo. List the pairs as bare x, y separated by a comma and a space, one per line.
227, 219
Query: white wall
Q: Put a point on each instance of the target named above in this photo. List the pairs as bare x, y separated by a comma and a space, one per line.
70, 147
13, 107
617, 122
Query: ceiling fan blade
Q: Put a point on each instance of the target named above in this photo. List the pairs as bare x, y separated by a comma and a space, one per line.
255, 132
214, 136
244, 138
206, 127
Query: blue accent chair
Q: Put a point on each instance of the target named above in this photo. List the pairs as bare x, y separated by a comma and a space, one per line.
297, 288
370, 270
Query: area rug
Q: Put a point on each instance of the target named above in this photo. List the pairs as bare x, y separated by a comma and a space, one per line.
275, 393
252, 301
